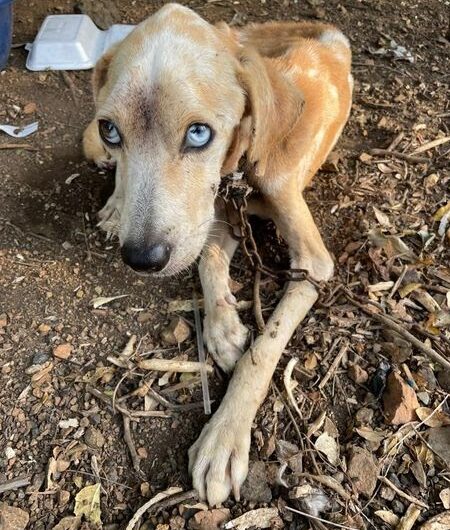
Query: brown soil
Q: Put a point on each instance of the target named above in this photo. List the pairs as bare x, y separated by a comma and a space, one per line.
54, 261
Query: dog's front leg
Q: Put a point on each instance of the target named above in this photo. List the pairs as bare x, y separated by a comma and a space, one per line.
110, 214
224, 334
218, 460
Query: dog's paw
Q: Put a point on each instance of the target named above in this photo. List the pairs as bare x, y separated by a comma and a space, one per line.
104, 161
225, 335
109, 216
218, 460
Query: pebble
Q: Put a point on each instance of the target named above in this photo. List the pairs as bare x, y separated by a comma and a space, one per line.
12, 518
62, 351
398, 507
364, 416
357, 374
210, 519
439, 440
399, 400
444, 379
9, 452
424, 397
94, 438
44, 329
40, 357
363, 470
176, 332
256, 487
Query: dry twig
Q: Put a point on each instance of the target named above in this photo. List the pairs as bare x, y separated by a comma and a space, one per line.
403, 156
130, 444
257, 302
334, 366
14, 484
172, 365
401, 493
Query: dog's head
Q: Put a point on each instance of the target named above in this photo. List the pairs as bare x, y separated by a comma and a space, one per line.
172, 105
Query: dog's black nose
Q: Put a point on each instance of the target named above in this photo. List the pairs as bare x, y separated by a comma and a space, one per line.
151, 258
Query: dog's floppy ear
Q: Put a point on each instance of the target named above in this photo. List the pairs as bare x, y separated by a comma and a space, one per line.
275, 106
100, 75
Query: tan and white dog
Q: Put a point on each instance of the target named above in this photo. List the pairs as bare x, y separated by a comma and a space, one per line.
180, 103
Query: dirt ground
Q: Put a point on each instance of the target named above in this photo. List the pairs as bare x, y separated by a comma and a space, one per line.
54, 262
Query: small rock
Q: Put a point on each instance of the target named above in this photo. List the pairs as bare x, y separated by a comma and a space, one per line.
357, 374
94, 438
63, 497
398, 507
209, 520
62, 351
144, 316
9, 452
399, 400
176, 332
12, 518
364, 416
387, 493
3, 320
177, 523
424, 397
444, 380
142, 452
30, 108
256, 487
439, 440
363, 469
44, 329
40, 357
71, 423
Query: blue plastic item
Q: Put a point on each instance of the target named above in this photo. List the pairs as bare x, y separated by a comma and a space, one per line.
6, 28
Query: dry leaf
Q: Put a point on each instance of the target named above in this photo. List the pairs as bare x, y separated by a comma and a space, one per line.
432, 418
441, 212
409, 519
388, 517
382, 218
261, 518
392, 245
103, 300
316, 424
444, 495
409, 288
87, 503
424, 454
68, 523
328, 446
438, 522
372, 436
52, 469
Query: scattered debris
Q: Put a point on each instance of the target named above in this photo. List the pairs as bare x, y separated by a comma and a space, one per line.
363, 469
63, 351
176, 332
260, 518
87, 503
103, 300
399, 400
13, 518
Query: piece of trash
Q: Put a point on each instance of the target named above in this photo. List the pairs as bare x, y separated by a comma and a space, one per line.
71, 42
16, 131
67, 424
103, 300
260, 518
394, 50
201, 356
71, 178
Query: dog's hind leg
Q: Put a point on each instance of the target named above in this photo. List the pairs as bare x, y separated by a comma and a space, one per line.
224, 334
93, 147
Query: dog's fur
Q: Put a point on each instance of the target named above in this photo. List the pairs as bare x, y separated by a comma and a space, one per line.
277, 96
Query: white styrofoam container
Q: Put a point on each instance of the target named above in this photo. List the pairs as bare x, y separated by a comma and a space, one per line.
71, 42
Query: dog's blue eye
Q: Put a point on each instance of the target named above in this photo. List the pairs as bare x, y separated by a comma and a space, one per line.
109, 133
198, 135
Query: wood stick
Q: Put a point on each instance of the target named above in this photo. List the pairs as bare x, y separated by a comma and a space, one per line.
387, 321
130, 444
403, 156
430, 145
401, 493
18, 146
328, 482
14, 484
172, 365
334, 366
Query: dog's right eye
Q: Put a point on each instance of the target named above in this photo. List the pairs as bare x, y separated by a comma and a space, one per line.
109, 133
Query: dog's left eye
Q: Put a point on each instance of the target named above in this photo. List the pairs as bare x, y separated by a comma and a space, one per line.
198, 135
109, 133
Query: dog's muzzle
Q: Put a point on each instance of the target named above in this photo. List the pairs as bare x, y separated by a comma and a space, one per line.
149, 258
